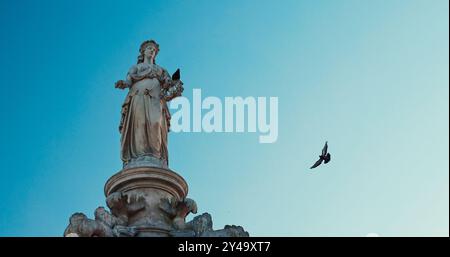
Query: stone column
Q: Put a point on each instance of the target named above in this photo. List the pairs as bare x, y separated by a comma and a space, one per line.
144, 188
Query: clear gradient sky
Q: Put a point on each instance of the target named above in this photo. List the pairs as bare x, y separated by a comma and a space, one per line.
371, 77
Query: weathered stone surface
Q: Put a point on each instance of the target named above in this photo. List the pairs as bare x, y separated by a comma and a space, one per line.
145, 119
202, 226
147, 201
146, 198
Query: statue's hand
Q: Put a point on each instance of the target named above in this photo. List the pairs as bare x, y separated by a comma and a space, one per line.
121, 84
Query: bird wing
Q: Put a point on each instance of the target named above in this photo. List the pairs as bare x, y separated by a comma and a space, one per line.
317, 163
176, 75
327, 158
325, 149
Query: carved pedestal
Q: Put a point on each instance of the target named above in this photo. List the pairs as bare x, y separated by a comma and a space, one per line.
146, 202
147, 187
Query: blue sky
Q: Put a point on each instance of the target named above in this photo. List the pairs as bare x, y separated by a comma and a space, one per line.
371, 77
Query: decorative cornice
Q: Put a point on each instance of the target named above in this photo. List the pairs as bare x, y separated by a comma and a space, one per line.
147, 177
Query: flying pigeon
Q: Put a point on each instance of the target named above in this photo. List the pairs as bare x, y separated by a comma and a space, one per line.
325, 156
176, 75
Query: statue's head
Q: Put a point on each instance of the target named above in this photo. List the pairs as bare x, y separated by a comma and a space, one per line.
75, 221
148, 49
100, 213
77, 217
191, 205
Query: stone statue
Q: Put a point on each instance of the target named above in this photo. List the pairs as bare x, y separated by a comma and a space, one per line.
145, 118
146, 198
104, 225
125, 206
202, 226
178, 210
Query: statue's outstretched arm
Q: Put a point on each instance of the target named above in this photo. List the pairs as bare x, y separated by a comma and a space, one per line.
122, 84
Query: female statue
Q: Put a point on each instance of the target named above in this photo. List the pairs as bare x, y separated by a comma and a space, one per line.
145, 118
